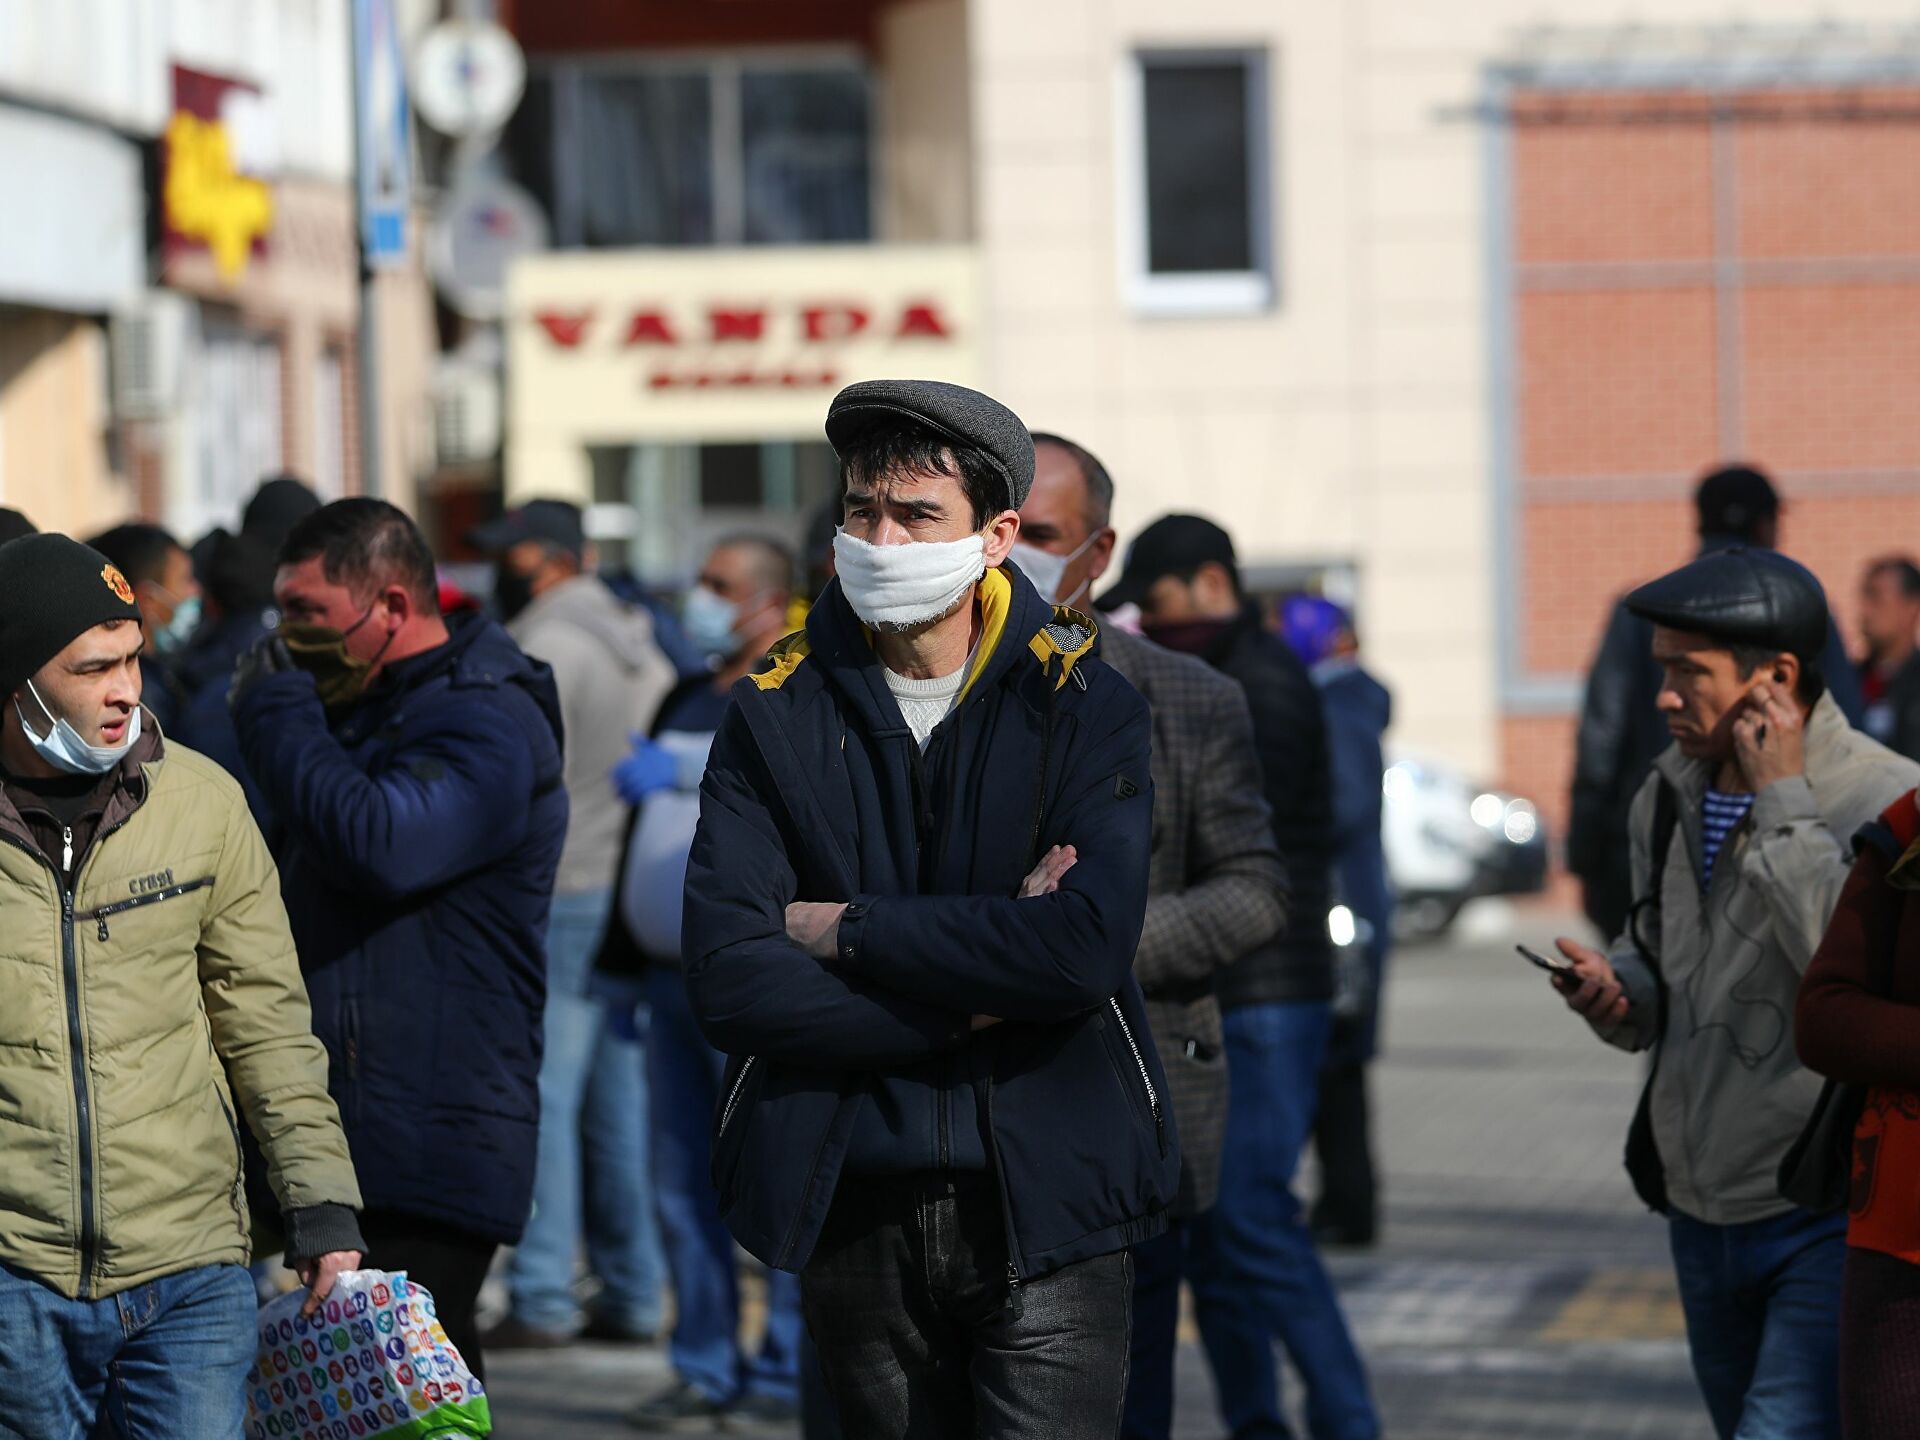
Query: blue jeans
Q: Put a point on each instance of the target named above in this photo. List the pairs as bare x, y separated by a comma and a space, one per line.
159, 1361
593, 1116
1251, 1260
1762, 1302
683, 1074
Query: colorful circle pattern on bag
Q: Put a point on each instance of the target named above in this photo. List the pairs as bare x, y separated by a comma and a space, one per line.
374, 1361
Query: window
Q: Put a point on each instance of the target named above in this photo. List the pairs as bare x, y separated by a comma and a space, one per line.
1197, 227
720, 152
657, 507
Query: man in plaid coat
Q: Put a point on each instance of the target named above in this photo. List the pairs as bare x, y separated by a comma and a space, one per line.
1217, 887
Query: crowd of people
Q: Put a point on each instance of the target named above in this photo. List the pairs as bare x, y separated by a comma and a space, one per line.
938, 917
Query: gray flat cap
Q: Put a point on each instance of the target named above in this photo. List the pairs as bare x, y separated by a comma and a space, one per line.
962, 415
1741, 596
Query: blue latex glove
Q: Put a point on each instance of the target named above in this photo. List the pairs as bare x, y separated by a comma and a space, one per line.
649, 769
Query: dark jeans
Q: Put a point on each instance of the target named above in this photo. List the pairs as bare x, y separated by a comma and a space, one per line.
1157, 1268
161, 1361
921, 1338
1343, 1139
1256, 1275
1762, 1302
450, 1263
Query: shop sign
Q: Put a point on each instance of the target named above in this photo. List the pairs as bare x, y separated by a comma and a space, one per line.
738, 342
218, 149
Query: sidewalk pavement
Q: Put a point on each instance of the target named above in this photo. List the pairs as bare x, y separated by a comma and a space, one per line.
1521, 1289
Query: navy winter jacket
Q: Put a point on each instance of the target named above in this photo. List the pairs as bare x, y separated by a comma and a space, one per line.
418, 841
817, 791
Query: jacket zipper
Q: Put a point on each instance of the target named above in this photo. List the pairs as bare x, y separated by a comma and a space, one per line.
171, 892
83, 1107
239, 1156
923, 820
733, 1097
1014, 1255
1140, 1063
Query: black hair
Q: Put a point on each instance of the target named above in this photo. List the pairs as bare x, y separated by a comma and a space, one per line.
365, 544
140, 551
776, 565
1813, 681
239, 573
1904, 572
914, 449
1736, 500
1099, 483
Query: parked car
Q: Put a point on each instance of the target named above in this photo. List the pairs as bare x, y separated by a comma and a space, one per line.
1449, 841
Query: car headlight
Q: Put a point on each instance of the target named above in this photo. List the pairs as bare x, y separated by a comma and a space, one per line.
1487, 810
1341, 928
1520, 822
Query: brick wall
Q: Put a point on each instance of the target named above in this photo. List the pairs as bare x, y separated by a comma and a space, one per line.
1688, 289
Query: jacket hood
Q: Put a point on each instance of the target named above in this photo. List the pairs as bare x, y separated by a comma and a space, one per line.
479, 654
585, 603
1018, 628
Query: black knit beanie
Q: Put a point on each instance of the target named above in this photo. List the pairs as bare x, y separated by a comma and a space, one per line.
52, 591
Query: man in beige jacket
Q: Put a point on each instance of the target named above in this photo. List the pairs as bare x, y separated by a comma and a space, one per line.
612, 677
149, 998
1741, 844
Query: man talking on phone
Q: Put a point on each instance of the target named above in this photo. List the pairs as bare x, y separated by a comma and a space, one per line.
1740, 845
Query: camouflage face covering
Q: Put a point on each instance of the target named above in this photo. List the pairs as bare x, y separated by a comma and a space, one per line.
322, 652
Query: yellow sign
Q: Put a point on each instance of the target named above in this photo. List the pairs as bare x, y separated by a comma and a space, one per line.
206, 199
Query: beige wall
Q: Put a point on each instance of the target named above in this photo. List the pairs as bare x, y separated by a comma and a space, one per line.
53, 423
923, 99
1354, 418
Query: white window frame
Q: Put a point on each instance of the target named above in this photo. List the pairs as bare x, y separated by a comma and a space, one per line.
1199, 293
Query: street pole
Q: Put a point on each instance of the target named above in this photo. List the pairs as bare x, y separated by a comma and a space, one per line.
368, 348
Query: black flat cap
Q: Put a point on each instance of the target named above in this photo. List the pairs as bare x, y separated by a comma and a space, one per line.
557, 522
1741, 596
961, 415
1171, 545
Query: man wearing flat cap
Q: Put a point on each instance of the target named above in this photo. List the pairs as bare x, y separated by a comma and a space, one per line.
912, 907
1740, 847
149, 999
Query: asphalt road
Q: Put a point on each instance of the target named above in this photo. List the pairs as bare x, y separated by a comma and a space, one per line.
1520, 1289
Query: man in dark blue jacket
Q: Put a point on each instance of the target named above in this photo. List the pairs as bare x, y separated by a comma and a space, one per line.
1359, 709
912, 906
414, 767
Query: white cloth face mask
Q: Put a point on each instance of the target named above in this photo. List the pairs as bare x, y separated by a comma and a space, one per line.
62, 747
1046, 569
899, 587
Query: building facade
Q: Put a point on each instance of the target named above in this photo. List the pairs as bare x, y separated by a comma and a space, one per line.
190, 162
1439, 309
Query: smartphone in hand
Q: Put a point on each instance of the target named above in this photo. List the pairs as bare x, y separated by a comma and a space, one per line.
1553, 965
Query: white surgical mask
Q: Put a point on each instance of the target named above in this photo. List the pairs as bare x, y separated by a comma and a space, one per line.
1046, 569
896, 587
709, 622
62, 747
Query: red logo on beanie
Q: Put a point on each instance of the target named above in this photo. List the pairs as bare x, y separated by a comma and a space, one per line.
117, 583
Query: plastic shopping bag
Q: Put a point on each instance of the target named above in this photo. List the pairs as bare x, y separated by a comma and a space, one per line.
374, 1361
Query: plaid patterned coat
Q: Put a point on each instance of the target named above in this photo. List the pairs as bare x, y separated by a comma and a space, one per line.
1217, 888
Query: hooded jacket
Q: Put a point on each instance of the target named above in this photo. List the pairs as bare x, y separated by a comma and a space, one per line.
419, 836
611, 678
145, 1006
1728, 1095
817, 791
